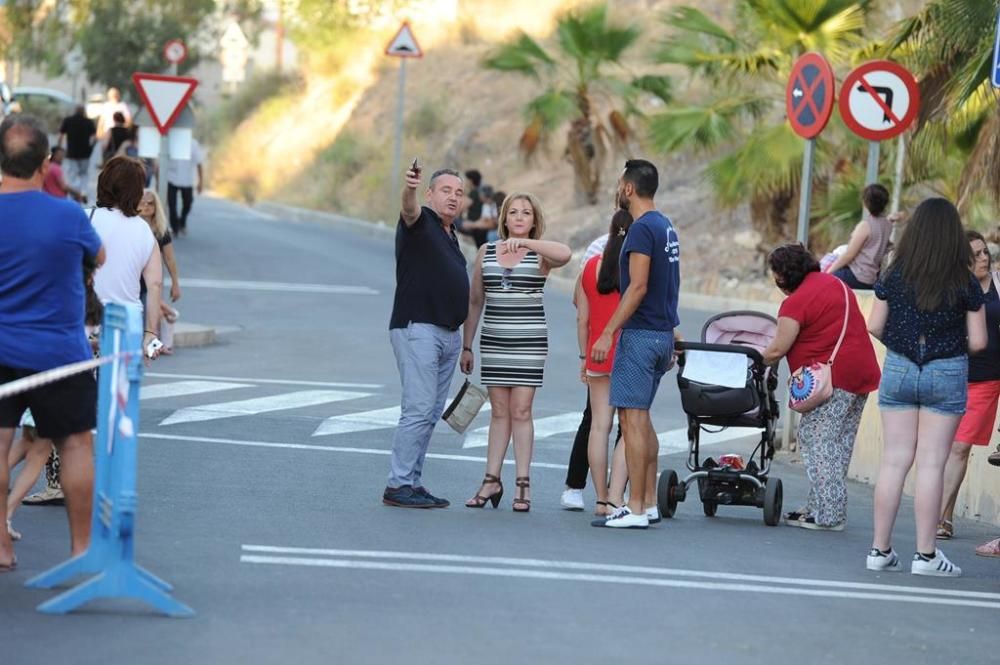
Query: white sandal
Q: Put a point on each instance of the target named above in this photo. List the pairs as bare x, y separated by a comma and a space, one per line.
14, 535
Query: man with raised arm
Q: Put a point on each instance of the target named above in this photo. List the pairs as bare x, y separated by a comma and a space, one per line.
431, 303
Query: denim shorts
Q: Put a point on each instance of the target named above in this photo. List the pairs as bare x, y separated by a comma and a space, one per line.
641, 359
940, 385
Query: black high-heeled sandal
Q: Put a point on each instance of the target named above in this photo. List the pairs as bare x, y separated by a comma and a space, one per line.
479, 500
522, 483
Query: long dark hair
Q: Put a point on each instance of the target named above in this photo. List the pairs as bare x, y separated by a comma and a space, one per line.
933, 255
607, 276
94, 308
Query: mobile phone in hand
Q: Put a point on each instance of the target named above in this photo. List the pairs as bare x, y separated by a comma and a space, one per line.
153, 346
415, 167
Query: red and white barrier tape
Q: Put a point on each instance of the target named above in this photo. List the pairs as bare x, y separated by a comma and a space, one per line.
57, 374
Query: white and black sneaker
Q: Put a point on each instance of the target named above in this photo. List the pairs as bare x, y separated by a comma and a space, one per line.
653, 514
883, 561
936, 566
623, 518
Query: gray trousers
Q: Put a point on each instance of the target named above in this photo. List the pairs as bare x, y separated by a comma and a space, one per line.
426, 356
78, 174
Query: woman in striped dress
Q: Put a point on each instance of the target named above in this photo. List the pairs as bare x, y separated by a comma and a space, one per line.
509, 280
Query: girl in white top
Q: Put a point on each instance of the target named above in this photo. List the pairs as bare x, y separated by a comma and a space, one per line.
119, 193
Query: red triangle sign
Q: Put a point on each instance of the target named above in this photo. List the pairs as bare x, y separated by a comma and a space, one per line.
404, 44
164, 96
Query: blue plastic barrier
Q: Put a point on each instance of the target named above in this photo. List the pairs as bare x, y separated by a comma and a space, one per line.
110, 556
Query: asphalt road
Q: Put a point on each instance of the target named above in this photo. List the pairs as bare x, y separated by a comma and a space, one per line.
261, 465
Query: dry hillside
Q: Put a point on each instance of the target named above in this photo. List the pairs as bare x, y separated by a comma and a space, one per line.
329, 144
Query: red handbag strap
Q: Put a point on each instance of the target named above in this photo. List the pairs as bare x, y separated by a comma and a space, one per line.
843, 330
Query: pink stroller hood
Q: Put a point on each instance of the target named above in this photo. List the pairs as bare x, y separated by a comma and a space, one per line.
753, 329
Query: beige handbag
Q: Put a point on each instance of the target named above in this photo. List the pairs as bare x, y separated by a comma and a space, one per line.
464, 408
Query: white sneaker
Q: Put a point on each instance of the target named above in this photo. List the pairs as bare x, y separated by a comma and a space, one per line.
880, 561
653, 514
572, 500
623, 519
939, 566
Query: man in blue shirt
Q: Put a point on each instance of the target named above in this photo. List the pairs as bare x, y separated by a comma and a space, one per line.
430, 305
42, 249
647, 316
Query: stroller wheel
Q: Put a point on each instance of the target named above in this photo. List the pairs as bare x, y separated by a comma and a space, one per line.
772, 502
709, 507
666, 493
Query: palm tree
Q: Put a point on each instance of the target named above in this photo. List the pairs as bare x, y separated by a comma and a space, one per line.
580, 82
949, 44
740, 124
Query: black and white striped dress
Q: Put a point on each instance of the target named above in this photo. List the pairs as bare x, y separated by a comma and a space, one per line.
514, 338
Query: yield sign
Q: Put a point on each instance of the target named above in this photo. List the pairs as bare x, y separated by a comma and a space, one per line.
404, 44
879, 100
809, 95
164, 96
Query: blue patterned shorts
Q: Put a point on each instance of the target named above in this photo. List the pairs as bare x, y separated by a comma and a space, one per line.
641, 360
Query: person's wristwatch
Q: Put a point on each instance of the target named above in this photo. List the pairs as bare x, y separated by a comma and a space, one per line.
467, 348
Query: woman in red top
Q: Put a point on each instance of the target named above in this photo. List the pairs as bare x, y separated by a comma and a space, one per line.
596, 299
809, 324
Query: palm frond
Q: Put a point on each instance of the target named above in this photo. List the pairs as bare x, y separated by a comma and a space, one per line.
552, 108
588, 39
701, 127
523, 55
693, 21
768, 162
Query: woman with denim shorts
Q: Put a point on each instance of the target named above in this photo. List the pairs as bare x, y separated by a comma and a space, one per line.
929, 314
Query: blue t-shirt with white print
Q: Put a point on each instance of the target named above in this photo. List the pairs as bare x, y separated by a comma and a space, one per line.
653, 235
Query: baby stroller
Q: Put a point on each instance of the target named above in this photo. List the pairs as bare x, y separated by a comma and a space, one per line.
745, 400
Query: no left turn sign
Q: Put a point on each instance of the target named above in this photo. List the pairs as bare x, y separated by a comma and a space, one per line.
879, 100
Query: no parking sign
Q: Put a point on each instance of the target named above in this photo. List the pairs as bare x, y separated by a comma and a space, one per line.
809, 95
879, 100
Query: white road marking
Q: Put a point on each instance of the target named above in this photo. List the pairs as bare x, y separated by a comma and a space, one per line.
278, 382
364, 421
286, 287
550, 570
676, 440
250, 407
179, 388
544, 428
333, 449
615, 568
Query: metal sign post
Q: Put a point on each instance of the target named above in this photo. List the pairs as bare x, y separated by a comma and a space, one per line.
403, 46
809, 104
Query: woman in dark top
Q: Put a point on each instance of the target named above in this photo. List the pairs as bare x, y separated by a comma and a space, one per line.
976, 427
929, 314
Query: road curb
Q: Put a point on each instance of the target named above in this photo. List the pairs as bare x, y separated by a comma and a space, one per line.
561, 279
192, 334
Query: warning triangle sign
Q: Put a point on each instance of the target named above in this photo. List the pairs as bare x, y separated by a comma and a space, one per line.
404, 44
164, 96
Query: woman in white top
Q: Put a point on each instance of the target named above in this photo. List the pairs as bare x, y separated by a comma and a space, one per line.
126, 235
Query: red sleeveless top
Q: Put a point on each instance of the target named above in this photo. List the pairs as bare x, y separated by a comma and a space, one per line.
602, 307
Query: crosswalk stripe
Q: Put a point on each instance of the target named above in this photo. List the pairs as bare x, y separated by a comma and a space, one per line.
363, 421
544, 428
181, 388
250, 407
277, 382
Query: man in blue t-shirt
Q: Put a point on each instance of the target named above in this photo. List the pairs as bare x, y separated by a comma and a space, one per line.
42, 249
647, 316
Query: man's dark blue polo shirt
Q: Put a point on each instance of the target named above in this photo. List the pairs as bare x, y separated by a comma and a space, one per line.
432, 285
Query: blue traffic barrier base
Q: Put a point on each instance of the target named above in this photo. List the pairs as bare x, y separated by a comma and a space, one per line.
110, 558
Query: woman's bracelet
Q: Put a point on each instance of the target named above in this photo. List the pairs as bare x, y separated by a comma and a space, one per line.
583, 357
150, 332
467, 348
